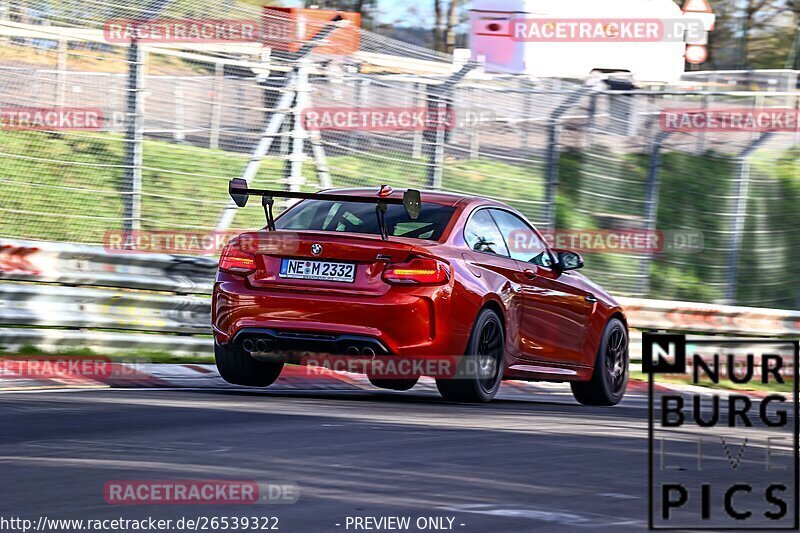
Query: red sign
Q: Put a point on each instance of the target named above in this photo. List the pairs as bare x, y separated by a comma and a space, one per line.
289, 28
696, 6
696, 54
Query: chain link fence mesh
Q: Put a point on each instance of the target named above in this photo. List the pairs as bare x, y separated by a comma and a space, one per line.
567, 155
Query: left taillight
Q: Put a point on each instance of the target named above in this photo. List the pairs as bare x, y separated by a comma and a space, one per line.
419, 271
236, 261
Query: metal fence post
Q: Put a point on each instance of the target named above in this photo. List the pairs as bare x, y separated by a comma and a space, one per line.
435, 139
701, 143
737, 228
294, 165
551, 183
134, 125
592, 112
475, 131
216, 106
240, 106
438, 98
651, 215
416, 147
134, 121
738, 221
526, 112
362, 95
553, 154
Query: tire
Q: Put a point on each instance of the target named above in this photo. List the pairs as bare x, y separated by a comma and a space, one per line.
481, 369
393, 384
238, 368
610, 376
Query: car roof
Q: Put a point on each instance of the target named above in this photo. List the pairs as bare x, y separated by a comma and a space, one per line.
452, 199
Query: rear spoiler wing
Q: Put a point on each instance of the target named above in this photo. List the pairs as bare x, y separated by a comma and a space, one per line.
240, 193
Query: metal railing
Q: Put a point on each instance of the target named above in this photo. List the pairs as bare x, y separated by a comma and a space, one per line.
55, 296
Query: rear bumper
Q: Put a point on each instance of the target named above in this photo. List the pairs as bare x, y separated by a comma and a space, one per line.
405, 320
272, 341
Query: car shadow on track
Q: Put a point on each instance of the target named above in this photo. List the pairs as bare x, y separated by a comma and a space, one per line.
398, 398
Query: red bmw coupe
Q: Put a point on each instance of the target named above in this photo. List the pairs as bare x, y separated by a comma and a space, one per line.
389, 275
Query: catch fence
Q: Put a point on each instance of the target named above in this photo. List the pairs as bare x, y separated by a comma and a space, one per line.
178, 121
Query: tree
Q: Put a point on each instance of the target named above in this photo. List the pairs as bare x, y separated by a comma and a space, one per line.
722, 41
793, 61
752, 7
446, 19
752, 33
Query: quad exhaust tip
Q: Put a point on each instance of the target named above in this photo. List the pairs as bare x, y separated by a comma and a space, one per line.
258, 346
263, 346
255, 345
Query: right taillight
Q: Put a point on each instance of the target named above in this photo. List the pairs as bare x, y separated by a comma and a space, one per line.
419, 271
236, 261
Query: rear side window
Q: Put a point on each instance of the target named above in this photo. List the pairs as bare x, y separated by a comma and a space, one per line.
354, 217
482, 235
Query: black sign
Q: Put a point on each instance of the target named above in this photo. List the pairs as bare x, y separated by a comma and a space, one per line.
722, 458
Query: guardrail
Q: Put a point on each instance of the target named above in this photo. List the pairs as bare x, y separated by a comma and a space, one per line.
55, 295
81, 265
81, 307
710, 318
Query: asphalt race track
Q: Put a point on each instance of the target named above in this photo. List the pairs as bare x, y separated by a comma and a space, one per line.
535, 462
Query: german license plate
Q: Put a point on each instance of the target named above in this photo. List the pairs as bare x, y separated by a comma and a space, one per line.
317, 270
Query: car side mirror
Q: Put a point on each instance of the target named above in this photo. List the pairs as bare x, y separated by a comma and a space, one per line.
568, 260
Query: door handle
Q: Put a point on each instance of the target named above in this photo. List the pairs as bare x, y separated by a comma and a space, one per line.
591, 299
530, 274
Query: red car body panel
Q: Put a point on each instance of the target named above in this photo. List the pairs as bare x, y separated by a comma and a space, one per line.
552, 331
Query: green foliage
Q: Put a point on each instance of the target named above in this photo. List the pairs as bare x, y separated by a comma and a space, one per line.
770, 264
694, 196
186, 187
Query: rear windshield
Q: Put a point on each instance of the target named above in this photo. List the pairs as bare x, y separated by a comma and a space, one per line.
354, 217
